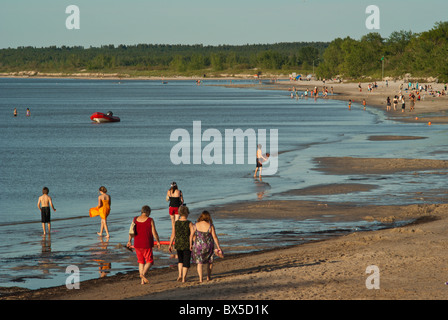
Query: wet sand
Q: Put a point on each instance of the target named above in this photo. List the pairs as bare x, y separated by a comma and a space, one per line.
411, 260
350, 165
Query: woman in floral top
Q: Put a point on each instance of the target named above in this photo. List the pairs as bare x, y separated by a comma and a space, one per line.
203, 246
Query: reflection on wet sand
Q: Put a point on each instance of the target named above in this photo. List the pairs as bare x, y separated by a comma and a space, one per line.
261, 188
104, 266
45, 262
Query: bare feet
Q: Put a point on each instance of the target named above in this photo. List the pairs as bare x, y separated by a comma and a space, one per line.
144, 280
100, 234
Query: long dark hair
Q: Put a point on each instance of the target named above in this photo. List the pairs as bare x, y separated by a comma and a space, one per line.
173, 187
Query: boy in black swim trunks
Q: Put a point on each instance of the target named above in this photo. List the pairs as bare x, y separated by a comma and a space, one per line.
260, 160
44, 204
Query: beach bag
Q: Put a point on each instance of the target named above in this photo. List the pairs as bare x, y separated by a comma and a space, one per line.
132, 228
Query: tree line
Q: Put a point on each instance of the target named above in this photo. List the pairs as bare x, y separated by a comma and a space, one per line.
403, 52
161, 58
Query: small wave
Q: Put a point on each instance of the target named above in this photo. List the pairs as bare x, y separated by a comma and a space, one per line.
13, 223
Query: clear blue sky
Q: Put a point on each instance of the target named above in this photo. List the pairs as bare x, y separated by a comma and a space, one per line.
41, 23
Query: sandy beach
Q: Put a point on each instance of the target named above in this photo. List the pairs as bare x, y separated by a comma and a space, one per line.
410, 259
429, 109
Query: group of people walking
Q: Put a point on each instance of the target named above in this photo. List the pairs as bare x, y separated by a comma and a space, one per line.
192, 242
401, 99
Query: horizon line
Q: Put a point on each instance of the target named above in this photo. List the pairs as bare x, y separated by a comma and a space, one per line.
168, 44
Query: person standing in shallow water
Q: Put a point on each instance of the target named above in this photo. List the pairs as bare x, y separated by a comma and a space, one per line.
260, 159
102, 210
44, 204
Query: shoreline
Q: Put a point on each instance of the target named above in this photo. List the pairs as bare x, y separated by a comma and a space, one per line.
114, 76
333, 268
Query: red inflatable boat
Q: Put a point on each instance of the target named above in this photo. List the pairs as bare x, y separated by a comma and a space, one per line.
104, 117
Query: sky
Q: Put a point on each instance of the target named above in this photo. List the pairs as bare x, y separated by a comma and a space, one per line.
42, 23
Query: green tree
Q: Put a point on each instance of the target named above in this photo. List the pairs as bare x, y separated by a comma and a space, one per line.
178, 64
217, 61
333, 59
308, 55
197, 62
271, 60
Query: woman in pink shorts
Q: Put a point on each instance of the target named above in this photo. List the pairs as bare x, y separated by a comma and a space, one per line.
143, 234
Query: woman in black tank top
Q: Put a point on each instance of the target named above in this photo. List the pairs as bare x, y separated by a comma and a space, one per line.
174, 196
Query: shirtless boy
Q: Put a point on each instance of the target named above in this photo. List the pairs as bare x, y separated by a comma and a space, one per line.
260, 159
44, 204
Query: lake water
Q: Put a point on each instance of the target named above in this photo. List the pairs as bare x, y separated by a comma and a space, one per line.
58, 146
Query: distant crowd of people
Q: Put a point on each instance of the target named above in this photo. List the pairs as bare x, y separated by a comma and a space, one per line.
415, 92
313, 93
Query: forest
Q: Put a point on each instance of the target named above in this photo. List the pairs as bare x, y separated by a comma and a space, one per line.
165, 60
371, 57
421, 55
